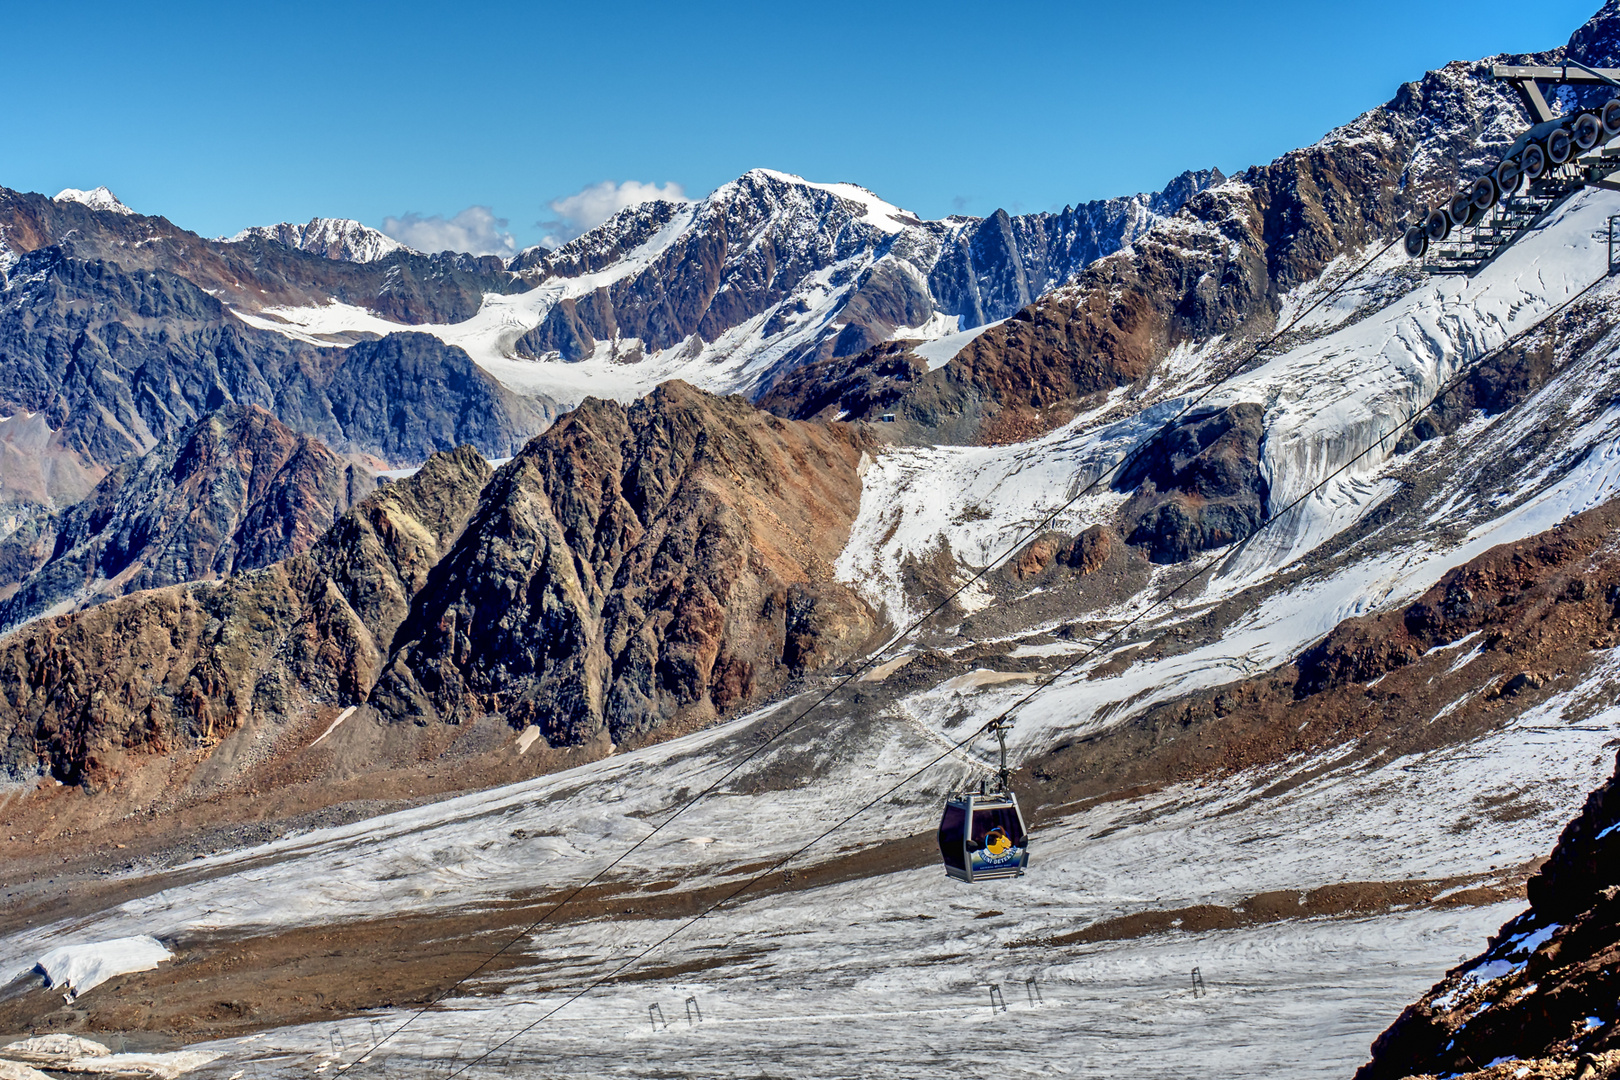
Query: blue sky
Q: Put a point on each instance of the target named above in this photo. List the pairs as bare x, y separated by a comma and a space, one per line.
223, 116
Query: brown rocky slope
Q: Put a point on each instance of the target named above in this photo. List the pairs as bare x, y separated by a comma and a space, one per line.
634, 570
1540, 1001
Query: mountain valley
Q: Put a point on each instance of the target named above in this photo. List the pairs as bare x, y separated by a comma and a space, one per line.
451, 663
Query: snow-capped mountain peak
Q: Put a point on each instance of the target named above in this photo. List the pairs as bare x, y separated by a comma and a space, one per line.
764, 274
874, 210
334, 238
97, 198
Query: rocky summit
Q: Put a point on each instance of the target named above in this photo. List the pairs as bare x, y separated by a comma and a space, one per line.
582, 649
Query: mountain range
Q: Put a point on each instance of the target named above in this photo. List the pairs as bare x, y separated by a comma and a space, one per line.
1290, 560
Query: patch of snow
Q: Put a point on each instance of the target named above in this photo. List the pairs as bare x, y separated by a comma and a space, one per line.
342, 716
942, 350
168, 1066
527, 739
54, 1047
82, 967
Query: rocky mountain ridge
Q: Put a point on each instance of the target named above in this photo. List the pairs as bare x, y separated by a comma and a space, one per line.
768, 234
334, 238
1221, 269
632, 573
235, 491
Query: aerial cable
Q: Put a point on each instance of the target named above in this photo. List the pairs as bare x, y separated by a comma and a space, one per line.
874, 658
1219, 564
999, 723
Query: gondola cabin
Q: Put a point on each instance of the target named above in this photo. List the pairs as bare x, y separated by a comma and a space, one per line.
981, 836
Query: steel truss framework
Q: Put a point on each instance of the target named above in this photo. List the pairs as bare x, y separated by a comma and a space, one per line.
1472, 246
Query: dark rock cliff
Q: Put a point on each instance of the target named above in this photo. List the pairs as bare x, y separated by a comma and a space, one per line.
1198, 486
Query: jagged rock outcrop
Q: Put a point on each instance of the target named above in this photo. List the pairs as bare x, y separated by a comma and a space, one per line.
632, 573
633, 567
1198, 485
236, 490
1543, 991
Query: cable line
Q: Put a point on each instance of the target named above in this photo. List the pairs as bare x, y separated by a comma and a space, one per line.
1052, 680
895, 640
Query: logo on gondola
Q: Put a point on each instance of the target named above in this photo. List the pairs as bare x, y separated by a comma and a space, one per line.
998, 847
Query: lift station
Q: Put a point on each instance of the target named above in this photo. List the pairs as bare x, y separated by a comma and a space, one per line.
1547, 164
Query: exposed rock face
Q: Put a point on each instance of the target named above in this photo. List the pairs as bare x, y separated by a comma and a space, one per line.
177, 669
865, 386
635, 570
637, 566
1198, 486
115, 361
235, 491
1005, 262
1528, 998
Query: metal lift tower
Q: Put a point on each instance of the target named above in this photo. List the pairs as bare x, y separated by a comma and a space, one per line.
1557, 157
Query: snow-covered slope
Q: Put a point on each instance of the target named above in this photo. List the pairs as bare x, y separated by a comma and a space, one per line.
334, 238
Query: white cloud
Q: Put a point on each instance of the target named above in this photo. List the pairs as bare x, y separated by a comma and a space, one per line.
585, 209
475, 230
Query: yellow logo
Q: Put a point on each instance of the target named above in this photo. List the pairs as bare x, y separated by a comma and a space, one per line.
997, 843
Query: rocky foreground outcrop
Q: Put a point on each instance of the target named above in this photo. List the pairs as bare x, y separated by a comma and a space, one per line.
237, 490
632, 573
1540, 1001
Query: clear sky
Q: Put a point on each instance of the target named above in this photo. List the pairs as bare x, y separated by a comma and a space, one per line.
221, 116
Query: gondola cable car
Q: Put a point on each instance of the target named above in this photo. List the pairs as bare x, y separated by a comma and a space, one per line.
981, 834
